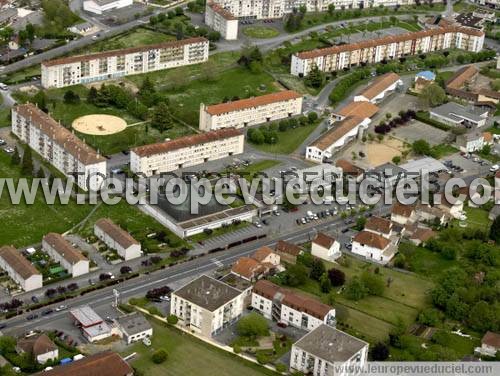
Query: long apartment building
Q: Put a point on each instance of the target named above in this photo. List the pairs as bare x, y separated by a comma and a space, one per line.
221, 20
117, 238
19, 269
289, 307
186, 151
60, 250
251, 111
387, 48
57, 145
106, 65
265, 9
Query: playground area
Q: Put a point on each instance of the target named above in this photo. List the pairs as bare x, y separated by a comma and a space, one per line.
382, 152
99, 125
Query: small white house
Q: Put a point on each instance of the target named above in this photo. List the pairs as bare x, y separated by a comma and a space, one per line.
40, 347
325, 247
490, 344
373, 247
134, 327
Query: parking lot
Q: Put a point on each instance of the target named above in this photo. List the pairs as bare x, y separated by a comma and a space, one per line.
416, 130
471, 167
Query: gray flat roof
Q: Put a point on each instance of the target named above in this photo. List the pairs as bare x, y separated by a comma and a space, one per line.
86, 316
330, 344
456, 112
208, 293
427, 163
134, 323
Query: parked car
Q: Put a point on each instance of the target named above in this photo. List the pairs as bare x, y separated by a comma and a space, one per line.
62, 307
257, 224
47, 312
34, 299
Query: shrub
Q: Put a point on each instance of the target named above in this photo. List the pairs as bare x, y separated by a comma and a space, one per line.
172, 319
262, 358
337, 277
280, 367
159, 356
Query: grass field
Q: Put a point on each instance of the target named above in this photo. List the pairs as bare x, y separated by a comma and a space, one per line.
4, 117
423, 261
134, 38
477, 218
187, 356
260, 32
21, 75
259, 167
442, 150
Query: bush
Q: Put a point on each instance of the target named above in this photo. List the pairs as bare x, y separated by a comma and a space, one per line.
159, 356
281, 368
262, 358
253, 325
236, 349
172, 319
337, 277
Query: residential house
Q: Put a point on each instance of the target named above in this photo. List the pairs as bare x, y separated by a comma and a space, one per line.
350, 170
287, 251
402, 214
61, 251
40, 347
454, 207
490, 344
265, 255
379, 226
421, 235
263, 262
118, 239
325, 247
290, 307
373, 247
19, 269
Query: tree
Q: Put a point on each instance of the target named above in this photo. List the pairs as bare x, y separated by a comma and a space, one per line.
172, 319
430, 317
92, 95
40, 99
421, 147
336, 276
373, 283
433, 95
360, 223
16, 158
355, 289
380, 351
70, 97
161, 119
253, 325
324, 283
295, 275
256, 136
214, 36
312, 117
317, 269
495, 230
159, 356
315, 77
27, 163
482, 317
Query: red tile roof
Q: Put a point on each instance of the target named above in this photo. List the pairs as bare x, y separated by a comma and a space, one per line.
379, 224
288, 248
349, 168
372, 240
461, 76
36, 345
261, 254
379, 85
246, 267
402, 210
254, 102
491, 339
324, 240
18, 262
125, 51
118, 234
223, 12
62, 246
339, 130
360, 109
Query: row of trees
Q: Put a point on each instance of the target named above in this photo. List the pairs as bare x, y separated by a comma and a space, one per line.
346, 84
61, 290
403, 118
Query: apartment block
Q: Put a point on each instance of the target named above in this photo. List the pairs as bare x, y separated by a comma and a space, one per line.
117, 238
371, 51
221, 20
19, 269
107, 65
291, 308
60, 250
206, 305
327, 351
59, 146
250, 111
186, 151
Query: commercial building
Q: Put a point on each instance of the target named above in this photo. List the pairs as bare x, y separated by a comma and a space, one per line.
134, 327
60, 250
101, 6
117, 238
206, 305
59, 146
289, 307
361, 109
470, 142
105, 363
186, 151
371, 51
19, 269
325, 247
107, 65
221, 20
380, 88
456, 115
92, 326
39, 347
373, 246
250, 111
319, 351
417, 166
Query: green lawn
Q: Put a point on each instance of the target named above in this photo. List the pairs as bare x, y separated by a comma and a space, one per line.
477, 218
187, 356
288, 141
260, 32
442, 150
423, 261
259, 167
4, 117
134, 38
21, 75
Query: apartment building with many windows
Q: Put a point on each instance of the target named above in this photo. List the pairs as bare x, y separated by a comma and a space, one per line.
59, 146
186, 151
250, 111
61, 251
221, 20
83, 69
19, 269
387, 48
206, 305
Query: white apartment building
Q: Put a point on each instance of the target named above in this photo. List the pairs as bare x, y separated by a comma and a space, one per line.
107, 65
289, 307
19, 269
250, 111
186, 151
325, 247
118, 239
206, 305
380, 88
59, 146
387, 48
327, 351
101, 6
373, 247
60, 250
221, 20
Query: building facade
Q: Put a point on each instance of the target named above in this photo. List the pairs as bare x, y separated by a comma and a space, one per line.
101, 6
59, 146
289, 307
19, 269
221, 20
380, 88
60, 250
206, 305
325, 247
387, 48
373, 246
107, 65
134, 327
118, 239
186, 151
251, 111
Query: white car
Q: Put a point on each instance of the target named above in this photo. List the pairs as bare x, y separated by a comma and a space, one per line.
62, 307
3, 87
494, 168
258, 224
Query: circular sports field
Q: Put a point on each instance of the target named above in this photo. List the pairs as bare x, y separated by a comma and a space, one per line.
260, 32
99, 125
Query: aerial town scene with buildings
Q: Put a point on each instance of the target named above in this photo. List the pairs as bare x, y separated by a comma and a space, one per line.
134, 242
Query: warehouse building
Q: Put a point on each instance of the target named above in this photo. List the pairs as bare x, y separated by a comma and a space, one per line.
19, 269
117, 238
61, 251
380, 88
101, 6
